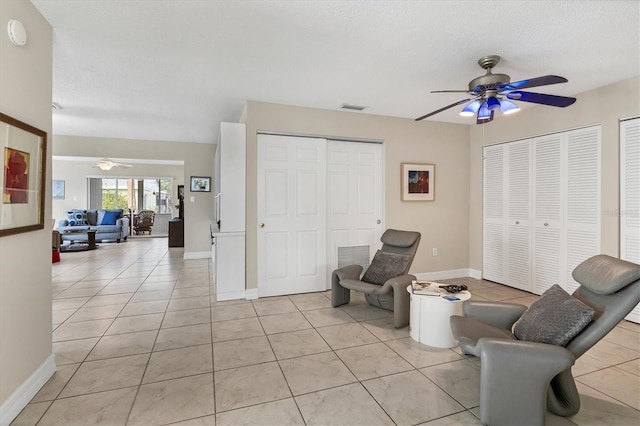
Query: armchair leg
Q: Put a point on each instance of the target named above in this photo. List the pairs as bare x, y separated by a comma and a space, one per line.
339, 294
563, 398
401, 303
514, 380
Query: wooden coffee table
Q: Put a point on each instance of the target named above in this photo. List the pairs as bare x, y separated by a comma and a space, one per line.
69, 236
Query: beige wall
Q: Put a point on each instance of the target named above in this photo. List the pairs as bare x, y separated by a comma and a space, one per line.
605, 106
443, 223
198, 161
25, 259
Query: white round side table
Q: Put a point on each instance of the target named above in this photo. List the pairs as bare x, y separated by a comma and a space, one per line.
429, 318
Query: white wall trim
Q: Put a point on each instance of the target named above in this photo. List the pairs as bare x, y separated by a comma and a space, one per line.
453, 273
197, 255
230, 295
251, 293
475, 273
19, 399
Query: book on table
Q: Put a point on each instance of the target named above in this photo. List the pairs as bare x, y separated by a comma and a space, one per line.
427, 288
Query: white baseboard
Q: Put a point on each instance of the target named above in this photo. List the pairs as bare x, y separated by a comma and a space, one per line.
251, 293
474, 273
453, 273
19, 399
230, 295
197, 255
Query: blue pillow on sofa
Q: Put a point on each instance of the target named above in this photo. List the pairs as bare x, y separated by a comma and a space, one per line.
110, 217
77, 218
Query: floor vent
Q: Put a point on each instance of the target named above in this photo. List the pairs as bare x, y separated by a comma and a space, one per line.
353, 255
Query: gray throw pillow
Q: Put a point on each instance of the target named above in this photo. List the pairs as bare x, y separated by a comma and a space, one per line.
385, 266
554, 318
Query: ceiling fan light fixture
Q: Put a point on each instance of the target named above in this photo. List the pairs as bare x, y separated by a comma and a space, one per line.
484, 113
471, 109
492, 90
493, 103
105, 165
508, 107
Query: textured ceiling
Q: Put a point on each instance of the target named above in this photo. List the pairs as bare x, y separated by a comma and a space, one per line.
173, 69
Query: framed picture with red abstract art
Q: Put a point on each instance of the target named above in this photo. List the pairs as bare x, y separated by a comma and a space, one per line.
23, 151
418, 182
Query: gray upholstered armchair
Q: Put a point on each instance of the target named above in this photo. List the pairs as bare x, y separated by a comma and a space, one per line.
386, 279
520, 376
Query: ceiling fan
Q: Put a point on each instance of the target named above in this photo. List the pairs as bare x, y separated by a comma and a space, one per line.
106, 164
491, 92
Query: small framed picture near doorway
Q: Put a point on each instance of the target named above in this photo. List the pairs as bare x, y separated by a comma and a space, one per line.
57, 189
418, 182
200, 184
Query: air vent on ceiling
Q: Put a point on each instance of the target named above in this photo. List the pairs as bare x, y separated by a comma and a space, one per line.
353, 107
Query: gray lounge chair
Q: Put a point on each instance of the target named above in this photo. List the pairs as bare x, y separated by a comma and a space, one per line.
520, 379
385, 281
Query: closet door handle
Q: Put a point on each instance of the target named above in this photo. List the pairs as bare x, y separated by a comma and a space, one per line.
546, 224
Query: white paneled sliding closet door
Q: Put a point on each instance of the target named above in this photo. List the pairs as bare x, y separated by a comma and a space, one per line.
314, 196
354, 198
291, 215
630, 196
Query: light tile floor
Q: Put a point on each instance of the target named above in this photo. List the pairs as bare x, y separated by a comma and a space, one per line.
139, 339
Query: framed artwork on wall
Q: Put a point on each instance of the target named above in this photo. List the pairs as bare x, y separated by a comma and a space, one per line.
22, 149
57, 189
200, 184
418, 182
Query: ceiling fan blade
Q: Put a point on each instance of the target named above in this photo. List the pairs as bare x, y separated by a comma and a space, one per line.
121, 165
485, 120
532, 82
443, 109
541, 98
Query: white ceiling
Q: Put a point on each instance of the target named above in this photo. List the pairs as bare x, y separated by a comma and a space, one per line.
173, 69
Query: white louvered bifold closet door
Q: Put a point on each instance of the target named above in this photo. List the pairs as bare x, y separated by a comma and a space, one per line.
547, 228
493, 213
541, 209
582, 221
630, 196
518, 208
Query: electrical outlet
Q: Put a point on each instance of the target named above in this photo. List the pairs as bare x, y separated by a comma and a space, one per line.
435, 251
